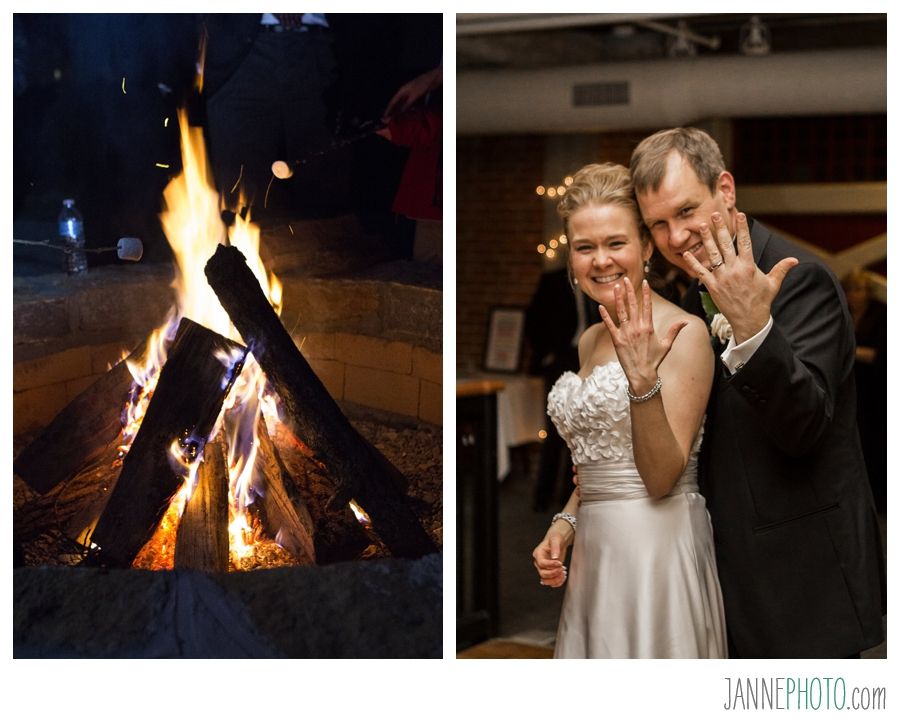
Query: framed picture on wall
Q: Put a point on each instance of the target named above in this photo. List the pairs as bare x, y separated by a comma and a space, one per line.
503, 346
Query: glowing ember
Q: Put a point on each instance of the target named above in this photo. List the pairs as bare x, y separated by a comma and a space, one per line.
159, 552
243, 536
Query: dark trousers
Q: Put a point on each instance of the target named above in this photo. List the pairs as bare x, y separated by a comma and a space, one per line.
273, 108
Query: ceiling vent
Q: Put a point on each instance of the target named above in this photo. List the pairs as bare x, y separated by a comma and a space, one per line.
601, 94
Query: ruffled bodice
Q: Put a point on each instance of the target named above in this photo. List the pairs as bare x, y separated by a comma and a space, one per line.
593, 416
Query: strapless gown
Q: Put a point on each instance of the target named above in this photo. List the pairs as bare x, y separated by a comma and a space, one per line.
642, 579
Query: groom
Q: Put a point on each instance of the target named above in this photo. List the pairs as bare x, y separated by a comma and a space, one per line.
797, 542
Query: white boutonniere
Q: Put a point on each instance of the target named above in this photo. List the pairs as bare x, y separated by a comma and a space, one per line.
721, 328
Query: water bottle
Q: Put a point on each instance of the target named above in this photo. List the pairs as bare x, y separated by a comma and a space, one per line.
71, 234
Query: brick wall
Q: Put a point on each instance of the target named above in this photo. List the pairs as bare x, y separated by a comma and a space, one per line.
388, 375
617, 147
499, 223
67, 332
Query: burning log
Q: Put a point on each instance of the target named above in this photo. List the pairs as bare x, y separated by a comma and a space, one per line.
198, 373
202, 541
287, 520
80, 434
338, 536
358, 470
74, 505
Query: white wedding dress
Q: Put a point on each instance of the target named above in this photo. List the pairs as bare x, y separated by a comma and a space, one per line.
642, 581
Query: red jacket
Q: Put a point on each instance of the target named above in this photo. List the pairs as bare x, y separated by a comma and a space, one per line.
420, 194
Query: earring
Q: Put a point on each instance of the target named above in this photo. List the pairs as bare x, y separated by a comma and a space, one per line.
647, 267
574, 281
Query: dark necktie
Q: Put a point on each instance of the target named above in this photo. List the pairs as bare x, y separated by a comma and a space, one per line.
290, 21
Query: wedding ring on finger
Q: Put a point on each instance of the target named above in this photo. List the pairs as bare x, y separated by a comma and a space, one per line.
717, 265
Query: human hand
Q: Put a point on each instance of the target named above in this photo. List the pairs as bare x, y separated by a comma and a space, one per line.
738, 287
411, 91
548, 558
639, 350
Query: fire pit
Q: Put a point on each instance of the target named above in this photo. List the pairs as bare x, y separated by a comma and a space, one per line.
215, 447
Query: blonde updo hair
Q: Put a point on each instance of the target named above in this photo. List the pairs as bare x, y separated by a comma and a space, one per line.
600, 184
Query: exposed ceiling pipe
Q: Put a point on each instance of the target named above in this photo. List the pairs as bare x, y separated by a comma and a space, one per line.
709, 42
653, 94
489, 23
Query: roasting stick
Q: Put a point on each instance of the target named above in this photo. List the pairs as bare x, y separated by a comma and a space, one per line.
129, 248
284, 170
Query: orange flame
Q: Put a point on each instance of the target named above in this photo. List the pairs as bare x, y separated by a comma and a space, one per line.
192, 223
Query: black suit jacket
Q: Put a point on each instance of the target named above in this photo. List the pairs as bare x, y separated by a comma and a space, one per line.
797, 542
551, 322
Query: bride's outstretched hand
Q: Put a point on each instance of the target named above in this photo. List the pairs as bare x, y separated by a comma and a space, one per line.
639, 350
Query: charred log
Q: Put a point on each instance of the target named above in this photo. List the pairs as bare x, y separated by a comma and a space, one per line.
73, 506
285, 517
189, 394
337, 535
357, 469
80, 433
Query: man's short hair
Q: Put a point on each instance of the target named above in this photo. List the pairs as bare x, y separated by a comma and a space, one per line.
648, 160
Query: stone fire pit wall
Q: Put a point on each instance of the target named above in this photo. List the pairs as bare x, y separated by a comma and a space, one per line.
372, 340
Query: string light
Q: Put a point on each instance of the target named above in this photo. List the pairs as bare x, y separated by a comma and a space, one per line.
541, 248
542, 434
554, 191
553, 243
550, 253
563, 239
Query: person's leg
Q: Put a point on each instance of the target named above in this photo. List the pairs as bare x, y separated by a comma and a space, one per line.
321, 186
244, 123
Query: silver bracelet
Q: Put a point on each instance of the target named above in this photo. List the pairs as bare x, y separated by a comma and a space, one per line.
643, 398
568, 517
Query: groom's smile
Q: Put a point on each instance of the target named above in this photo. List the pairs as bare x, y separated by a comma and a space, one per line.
675, 209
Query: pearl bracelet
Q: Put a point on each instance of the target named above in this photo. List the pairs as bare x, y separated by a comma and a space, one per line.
643, 398
568, 517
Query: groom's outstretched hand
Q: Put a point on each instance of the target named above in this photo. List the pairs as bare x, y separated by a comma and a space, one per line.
548, 558
739, 288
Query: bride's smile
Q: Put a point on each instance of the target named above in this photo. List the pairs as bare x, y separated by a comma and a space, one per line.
606, 247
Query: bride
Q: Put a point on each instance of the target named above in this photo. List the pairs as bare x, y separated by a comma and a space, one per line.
643, 580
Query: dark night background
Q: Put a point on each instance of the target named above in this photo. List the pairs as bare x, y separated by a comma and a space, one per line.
76, 134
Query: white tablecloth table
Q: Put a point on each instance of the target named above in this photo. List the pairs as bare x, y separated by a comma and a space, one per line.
521, 408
